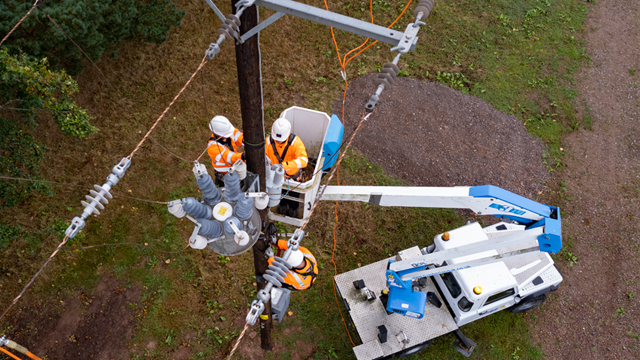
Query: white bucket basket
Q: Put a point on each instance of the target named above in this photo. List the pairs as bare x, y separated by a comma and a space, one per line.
311, 126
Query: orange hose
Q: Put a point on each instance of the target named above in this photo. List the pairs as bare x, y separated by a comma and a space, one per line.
333, 252
344, 61
343, 65
373, 43
13, 356
31, 355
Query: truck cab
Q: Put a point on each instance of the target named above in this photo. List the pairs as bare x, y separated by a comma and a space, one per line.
482, 290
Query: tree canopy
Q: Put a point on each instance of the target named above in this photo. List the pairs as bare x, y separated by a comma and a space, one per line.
95, 25
28, 86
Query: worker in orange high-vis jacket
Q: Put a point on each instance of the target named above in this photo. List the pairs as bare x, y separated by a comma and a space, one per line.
223, 146
283, 147
304, 267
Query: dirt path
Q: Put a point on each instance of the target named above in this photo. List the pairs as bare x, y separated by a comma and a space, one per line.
596, 314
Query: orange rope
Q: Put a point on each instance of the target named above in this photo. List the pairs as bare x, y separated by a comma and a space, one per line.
10, 354
333, 252
334, 38
388, 27
19, 22
345, 61
343, 65
202, 63
31, 355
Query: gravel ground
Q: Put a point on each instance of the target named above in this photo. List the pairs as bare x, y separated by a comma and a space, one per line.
596, 313
432, 135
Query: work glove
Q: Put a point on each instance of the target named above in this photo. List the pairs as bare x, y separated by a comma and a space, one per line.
271, 232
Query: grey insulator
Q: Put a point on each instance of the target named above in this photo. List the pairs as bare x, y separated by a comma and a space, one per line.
392, 66
210, 228
424, 7
227, 228
244, 208
278, 176
229, 27
386, 76
210, 193
382, 81
196, 209
268, 172
232, 192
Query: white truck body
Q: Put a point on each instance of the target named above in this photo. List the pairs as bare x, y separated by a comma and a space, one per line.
504, 284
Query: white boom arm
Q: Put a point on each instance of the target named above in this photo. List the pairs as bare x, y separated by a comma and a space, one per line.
483, 200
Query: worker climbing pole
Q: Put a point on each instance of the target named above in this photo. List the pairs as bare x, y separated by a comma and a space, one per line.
250, 85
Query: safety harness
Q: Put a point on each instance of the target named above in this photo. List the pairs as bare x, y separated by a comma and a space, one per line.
284, 152
226, 142
308, 272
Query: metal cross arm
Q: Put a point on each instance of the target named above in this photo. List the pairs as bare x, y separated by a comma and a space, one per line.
337, 21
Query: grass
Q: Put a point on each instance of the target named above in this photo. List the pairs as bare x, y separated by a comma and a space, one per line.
520, 56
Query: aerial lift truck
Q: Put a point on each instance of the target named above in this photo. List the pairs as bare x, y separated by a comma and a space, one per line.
400, 304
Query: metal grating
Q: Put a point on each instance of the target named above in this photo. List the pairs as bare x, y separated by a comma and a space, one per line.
367, 316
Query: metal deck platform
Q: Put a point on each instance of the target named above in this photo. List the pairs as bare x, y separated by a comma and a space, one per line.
368, 315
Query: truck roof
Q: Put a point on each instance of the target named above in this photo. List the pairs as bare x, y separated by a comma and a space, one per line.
492, 278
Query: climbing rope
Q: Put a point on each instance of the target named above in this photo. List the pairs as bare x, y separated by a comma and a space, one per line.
233, 350
35, 4
64, 241
202, 63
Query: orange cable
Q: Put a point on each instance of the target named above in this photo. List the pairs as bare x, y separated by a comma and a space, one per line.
326, 6
10, 354
333, 252
31, 355
343, 65
373, 43
345, 61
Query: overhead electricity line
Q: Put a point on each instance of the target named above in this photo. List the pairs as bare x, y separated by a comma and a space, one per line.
35, 4
100, 198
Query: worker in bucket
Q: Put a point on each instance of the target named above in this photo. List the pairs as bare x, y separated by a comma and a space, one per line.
283, 147
223, 146
304, 267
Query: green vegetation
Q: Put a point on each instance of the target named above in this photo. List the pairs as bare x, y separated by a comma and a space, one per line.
26, 87
97, 26
518, 55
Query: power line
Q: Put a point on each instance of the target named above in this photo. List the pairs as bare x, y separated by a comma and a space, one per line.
41, 181
78, 46
19, 22
111, 86
202, 63
64, 241
126, 243
78, 185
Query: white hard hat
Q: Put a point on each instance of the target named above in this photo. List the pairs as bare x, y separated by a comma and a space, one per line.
295, 258
281, 129
221, 126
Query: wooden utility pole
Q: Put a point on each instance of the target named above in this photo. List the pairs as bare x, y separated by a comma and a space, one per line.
250, 85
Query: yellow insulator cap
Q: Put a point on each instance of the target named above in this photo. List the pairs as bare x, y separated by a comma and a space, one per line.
445, 236
477, 290
385, 291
